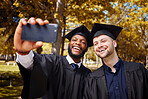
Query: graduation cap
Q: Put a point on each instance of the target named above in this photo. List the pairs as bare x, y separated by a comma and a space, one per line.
82, 30
109, 30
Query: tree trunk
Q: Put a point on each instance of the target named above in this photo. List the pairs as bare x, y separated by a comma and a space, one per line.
63, 38
56, 46
59, 4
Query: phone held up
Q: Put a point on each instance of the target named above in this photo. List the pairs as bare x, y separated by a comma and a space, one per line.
45, 33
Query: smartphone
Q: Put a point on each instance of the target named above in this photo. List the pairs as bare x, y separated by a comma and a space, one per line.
46, 33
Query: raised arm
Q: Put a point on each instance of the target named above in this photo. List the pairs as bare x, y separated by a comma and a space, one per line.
24, 47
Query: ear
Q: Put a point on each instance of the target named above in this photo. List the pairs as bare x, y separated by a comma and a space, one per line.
115, 43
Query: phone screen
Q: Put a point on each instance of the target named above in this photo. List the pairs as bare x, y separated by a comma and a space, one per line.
45, 33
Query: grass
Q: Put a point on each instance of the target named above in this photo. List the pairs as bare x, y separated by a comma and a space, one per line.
10, 82
8, 92
7, 68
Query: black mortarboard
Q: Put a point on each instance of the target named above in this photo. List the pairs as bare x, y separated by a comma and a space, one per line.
109, 30
82, 30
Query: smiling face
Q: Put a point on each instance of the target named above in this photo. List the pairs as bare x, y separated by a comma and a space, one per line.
104, 46
77, 46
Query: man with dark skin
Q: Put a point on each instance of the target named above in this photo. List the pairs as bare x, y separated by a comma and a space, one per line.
115, 79
52, 76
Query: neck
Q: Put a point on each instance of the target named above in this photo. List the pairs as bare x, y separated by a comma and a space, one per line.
111, 60
76, 60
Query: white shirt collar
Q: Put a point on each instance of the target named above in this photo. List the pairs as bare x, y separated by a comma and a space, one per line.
70, 60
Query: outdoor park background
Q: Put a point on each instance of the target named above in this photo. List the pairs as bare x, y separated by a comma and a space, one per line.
68, 14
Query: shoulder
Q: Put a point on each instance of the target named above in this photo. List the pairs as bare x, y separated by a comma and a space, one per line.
131, 63
97, 73
131, 66
84, 69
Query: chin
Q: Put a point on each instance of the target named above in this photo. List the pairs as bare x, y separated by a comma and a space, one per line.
76, 53
102, 56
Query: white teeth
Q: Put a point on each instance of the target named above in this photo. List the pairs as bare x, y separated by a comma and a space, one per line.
77, 48
101, 50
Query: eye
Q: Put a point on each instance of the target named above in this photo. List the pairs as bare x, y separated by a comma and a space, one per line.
103, 40
73, 39
83, 42
95, 43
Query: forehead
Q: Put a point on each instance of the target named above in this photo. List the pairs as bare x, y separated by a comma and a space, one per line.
79, 37
100, 37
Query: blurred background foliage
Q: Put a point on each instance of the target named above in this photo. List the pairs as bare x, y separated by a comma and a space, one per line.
132, 16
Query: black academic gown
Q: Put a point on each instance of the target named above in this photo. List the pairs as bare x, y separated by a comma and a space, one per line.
53, 77
136, 80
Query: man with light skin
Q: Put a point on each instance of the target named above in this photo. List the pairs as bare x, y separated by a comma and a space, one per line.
52, 76
115, 79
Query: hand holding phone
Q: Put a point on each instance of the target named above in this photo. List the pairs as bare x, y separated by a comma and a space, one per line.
45, 33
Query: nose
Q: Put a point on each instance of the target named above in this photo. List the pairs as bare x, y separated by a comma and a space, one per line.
78, 42
99, 45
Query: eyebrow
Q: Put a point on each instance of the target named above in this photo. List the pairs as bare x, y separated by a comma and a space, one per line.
104, 38
81, 39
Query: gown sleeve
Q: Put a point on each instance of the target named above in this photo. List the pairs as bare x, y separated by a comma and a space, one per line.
35, 81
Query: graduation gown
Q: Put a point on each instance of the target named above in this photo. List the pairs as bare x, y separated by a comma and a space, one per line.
53, 77
136, 80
